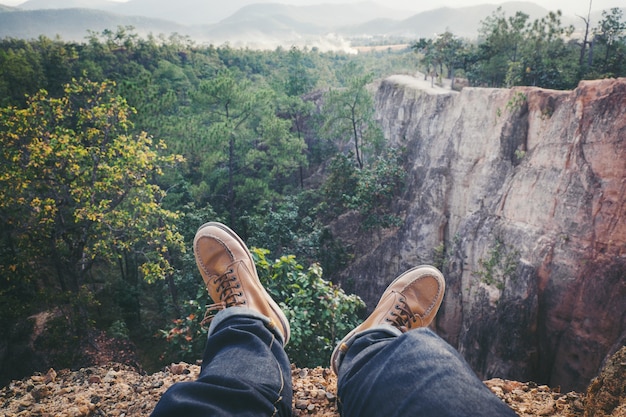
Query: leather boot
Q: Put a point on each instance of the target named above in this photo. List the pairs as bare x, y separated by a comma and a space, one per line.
230, 275
410, 301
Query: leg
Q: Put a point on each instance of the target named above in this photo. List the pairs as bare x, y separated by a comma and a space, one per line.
392, 365
411, 374
239, 342
245, 370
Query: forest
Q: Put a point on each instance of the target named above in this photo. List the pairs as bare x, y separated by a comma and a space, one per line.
116, 149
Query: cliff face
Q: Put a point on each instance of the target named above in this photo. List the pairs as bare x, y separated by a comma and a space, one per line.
520, 196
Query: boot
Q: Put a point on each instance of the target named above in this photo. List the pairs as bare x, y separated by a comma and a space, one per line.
230, 276
410, 301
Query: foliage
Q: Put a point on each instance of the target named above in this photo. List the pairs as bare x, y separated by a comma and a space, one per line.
610, 36
444, 252
514, 51
289, 227
75, 188
371, 190
245, 122
186, 337
499, 266
251, 146
349, 114
320, 314
444, 50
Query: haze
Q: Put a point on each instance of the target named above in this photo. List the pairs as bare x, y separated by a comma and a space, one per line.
569, 7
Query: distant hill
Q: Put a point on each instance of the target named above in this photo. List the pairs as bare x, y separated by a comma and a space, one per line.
67, 4
463, 21
254, 25
185, 12
329, 16
74, 24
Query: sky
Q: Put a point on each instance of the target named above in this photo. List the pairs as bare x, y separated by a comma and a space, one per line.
570, 7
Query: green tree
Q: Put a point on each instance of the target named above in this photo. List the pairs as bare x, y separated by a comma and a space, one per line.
300, 79
76, 190
547, 59
250, 147
349, 114
449, 52
21, 72
501, 39
610, 35
426, 49
320, 314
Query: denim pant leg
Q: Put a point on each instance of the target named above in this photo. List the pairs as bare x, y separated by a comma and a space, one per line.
245, 372
388, 373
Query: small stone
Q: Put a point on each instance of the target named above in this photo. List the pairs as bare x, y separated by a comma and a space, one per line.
40, 392
94, 379
311, 407
110, 376
177, 368
50, 376
301, 404
547, 409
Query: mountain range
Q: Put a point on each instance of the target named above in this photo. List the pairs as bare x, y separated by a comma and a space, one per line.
242, 23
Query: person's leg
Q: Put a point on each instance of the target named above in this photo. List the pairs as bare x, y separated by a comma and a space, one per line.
245, 372
392, 365
411, 374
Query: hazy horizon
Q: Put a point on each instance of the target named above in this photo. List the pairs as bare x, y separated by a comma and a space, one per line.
568, 7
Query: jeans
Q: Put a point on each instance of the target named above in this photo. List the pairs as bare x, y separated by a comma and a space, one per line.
389, 373
245, 372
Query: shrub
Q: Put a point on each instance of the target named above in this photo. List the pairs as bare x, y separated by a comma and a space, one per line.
319, 313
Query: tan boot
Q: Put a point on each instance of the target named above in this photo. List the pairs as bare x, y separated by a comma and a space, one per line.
229, 273
410, 301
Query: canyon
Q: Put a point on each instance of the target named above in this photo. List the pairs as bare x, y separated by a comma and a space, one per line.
519, 196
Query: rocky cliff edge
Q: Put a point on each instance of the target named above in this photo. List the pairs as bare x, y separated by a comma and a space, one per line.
519, 195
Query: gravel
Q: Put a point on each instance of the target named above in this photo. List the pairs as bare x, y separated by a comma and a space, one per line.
120, 390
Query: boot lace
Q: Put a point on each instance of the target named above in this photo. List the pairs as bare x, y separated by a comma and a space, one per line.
402, 317
229, 293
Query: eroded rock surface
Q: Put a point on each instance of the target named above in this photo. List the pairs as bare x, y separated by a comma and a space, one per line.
520, 196
606, 395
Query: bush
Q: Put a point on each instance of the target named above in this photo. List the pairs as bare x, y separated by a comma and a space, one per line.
319, 313
370, 190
